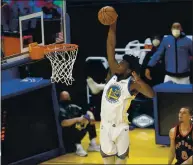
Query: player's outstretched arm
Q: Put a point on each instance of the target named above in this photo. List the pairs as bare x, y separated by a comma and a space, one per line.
171, 154
111, 43
109, 75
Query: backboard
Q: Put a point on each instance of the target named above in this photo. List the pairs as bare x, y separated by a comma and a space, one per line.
23, 20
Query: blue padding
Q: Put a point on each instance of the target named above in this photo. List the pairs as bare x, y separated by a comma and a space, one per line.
15, 63
9, 74
16, 87
175, 88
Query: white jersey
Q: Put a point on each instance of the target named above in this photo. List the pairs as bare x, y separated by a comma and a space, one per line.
116, 100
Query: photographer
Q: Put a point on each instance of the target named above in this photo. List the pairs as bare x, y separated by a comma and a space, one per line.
75, 125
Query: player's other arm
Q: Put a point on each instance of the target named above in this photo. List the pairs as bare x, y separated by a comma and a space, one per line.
111, 43
189, 161
171, 154
141, 86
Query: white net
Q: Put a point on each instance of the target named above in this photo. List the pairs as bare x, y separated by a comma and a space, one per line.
62, 62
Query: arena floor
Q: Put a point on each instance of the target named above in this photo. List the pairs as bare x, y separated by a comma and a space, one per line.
142, 151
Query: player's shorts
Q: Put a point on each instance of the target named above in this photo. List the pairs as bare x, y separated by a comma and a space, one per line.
114, 140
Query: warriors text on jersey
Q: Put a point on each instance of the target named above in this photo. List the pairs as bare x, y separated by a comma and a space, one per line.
184, 145
116, 100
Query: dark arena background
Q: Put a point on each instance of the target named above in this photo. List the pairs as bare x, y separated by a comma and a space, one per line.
31, 131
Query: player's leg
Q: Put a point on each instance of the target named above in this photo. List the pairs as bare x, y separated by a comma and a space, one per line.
72, 142
168, 78
185, 80
108, 148
94, 87
92, 136
189, 161
78, 135
122, 144
109, 160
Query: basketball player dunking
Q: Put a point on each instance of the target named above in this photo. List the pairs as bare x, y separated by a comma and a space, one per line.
118, 93
181, 138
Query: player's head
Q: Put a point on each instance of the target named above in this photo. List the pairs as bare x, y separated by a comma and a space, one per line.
128, 65
65, 96
176, 29
185, 114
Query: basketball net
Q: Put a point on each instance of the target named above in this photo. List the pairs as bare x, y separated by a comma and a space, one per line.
62, 60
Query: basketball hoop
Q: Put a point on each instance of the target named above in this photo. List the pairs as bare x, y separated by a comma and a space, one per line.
62, 58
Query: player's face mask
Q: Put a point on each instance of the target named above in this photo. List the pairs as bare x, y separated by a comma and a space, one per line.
156, 42
65, 102
176, 32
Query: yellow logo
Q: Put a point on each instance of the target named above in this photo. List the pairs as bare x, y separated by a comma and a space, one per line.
113, 93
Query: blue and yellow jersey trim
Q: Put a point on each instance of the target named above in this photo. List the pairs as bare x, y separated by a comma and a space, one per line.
125, 117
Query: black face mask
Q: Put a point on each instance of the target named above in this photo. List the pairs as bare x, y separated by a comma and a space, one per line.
65, 102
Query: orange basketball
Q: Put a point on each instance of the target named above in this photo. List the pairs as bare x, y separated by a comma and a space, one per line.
107, 15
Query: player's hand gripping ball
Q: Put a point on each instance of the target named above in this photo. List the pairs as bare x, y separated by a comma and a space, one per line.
107, 15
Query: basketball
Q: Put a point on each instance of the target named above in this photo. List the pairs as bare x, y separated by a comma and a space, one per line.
107, 15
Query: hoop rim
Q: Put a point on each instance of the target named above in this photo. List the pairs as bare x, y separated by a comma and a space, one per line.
59, 47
